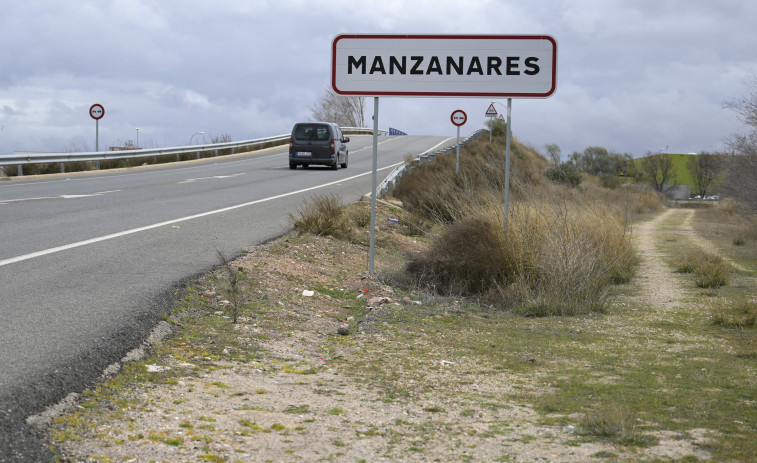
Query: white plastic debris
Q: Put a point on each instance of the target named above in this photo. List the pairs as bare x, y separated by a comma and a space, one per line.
157, 368
308, 293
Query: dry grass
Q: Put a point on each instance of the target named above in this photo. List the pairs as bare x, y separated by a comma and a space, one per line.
563, 247
741, 313
710, 269
323, 215
550, 262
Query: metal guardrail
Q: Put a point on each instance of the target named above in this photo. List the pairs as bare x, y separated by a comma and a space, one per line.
240, 146
387, 185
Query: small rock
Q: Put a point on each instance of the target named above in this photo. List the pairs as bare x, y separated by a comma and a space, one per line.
376, 301
344, 330
308, 293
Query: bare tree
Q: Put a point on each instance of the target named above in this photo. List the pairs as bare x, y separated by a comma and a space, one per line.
741, 167
347, 111
658, 170
222, 138
704, 169
553, 152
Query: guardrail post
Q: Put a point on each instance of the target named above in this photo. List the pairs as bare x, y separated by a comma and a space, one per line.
20, 170
232, 150
198, 155
177, 157
215, 153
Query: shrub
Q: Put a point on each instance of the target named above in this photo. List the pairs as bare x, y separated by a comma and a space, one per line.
616, 422
550, 262
741, 313
322, 215
361, 216
564, 173
710, 270
610, 181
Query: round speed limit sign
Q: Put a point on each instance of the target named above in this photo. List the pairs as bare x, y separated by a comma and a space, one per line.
459, 117
96, 111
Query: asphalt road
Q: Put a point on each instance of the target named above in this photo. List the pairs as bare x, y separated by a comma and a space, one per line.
90, 261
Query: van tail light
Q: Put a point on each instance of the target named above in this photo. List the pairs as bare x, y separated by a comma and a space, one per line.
291, 143
333, 142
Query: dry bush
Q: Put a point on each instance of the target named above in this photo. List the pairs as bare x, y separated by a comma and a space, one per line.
741, 313
564, 245
551, 262
322, 215
361, 216
710, 270
617, 422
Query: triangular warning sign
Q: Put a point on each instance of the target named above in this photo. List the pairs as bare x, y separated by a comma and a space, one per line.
491, 111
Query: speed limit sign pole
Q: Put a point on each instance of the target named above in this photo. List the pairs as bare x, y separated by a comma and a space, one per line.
96, 112
458, 118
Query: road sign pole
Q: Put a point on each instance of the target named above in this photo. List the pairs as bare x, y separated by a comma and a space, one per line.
373, 185
458, 118
97, 134
507, 164
457, 161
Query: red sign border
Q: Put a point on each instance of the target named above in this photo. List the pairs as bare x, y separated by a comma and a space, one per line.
452, 36
93, 107
452, 117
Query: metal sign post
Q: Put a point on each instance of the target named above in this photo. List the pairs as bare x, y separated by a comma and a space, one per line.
458, 118
373, 185
507, 164
96, 112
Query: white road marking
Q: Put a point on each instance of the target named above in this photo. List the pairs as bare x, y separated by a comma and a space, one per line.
99, 239
99, 193
190, 180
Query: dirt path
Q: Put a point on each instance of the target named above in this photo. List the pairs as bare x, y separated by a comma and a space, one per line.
659, 287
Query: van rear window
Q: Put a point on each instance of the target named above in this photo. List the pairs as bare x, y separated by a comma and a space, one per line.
312, 132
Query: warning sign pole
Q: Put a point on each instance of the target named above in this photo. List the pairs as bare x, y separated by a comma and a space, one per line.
491, 113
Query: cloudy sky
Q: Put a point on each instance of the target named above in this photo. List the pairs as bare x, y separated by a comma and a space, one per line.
633, 75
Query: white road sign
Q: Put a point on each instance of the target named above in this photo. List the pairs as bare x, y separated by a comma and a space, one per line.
459, 117
513, 66
96, 111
